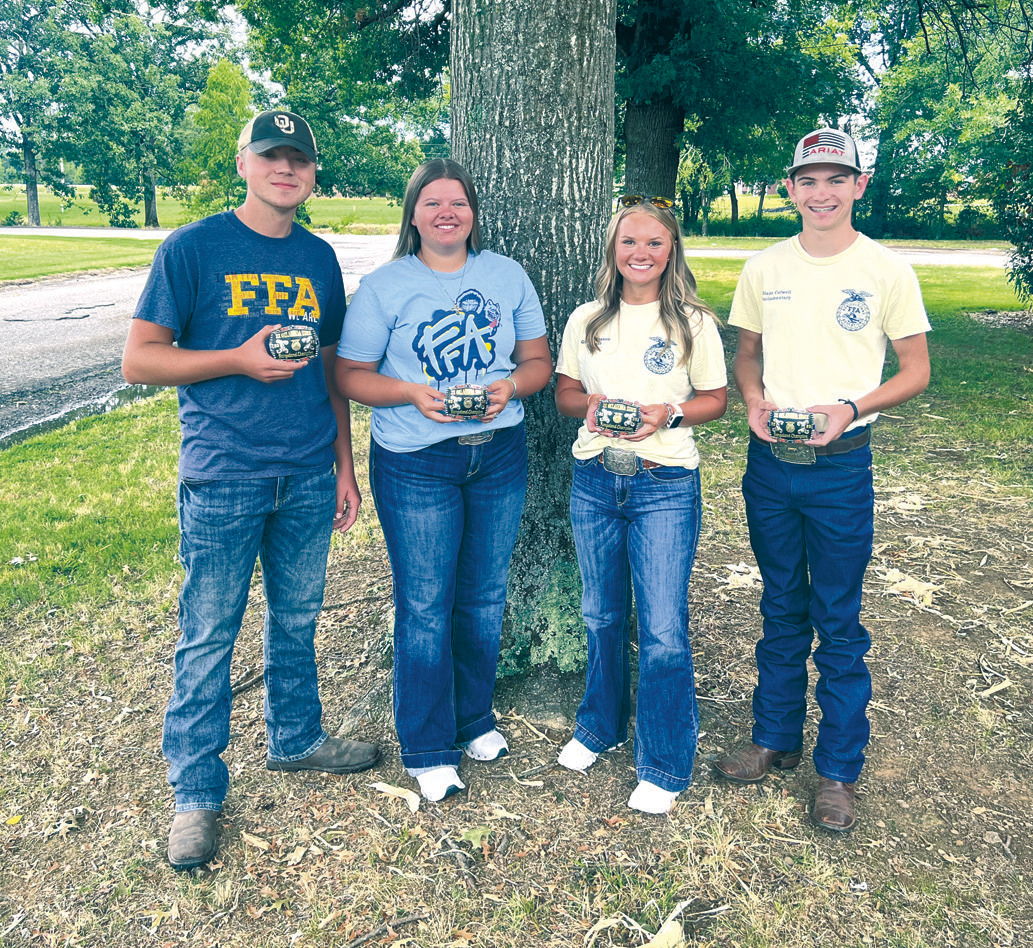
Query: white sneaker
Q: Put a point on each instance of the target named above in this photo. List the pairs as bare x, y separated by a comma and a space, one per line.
649, 798
490, 746
440, 782
575, 756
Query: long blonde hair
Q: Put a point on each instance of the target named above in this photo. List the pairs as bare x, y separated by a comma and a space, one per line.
678, 300
433, 170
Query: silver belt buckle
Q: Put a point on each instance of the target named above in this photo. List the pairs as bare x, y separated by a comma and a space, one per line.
617, 461
480, 438
794, 452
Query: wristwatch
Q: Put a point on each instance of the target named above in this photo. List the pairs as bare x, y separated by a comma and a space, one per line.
674, 415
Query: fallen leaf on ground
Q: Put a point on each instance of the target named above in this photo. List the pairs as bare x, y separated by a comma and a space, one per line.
412, 800
741, 576
256, 841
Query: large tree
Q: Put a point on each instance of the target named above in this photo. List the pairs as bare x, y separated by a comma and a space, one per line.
532, 120
127, 92
39, 40
711, 73
207, 170
367, 76
939, 74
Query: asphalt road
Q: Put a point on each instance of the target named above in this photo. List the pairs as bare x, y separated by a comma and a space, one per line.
61, 338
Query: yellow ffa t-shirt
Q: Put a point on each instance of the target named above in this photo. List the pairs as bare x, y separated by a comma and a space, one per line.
633, 363
825, 321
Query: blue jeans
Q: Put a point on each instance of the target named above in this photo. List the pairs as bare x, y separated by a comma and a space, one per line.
638, 531
450, 514
224, 525
811, 531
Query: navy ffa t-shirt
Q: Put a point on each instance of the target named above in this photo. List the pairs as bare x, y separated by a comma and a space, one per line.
215, 283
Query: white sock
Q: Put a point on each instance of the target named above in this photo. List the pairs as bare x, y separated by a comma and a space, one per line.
575, 756
649, 798
490, 746
439, 782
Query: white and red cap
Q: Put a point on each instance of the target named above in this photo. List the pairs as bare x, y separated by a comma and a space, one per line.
825, 146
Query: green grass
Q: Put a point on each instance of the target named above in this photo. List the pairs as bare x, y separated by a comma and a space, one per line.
82, 212
337, 211
325, 211
89, 511
28, 257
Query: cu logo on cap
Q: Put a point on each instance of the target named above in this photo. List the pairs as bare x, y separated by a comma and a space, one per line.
284, 124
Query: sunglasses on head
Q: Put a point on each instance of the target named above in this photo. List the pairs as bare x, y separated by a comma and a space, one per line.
630, 200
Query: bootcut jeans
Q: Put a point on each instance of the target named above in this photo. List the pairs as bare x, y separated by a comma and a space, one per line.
450, 514
285, 522
639, 532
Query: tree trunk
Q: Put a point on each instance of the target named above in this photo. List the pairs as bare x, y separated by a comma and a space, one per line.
651, 132
760, 203
733, 197
532, 120
150, 200
31, 181
879, 187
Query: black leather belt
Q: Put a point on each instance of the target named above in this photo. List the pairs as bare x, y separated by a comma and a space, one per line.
839, 446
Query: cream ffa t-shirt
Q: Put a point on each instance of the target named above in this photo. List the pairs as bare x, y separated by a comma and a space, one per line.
825, 321
632, 364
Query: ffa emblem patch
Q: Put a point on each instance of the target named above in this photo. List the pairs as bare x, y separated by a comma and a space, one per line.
659, 358
853, 312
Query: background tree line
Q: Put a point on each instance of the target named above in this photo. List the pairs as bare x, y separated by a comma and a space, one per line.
708, 94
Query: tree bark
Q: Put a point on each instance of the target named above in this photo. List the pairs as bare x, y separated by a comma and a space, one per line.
150, 200
532, 114
31, 181
879, 187
733, 197
760, 202
651, 132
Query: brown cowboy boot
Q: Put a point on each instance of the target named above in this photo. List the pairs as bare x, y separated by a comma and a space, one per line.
834, 807
749, 764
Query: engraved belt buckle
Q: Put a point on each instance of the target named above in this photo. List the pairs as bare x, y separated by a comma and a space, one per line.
617, 461
479, 438
794, 452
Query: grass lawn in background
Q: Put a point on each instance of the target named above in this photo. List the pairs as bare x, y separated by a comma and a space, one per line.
23, 258
82, 212
531, 855
324, 211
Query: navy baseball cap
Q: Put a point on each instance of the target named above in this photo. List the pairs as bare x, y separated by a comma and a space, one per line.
269, 130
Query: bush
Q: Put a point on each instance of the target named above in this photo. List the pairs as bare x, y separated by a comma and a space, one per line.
784, 225
14, 219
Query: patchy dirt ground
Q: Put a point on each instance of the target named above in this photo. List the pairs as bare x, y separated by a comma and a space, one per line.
533, 855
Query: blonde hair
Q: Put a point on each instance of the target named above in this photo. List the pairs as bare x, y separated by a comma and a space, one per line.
678, 300
434, 170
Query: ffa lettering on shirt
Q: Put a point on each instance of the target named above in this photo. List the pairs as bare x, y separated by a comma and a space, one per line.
272, 294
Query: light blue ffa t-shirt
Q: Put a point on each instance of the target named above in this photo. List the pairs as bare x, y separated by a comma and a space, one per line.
441, 329
215, 283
